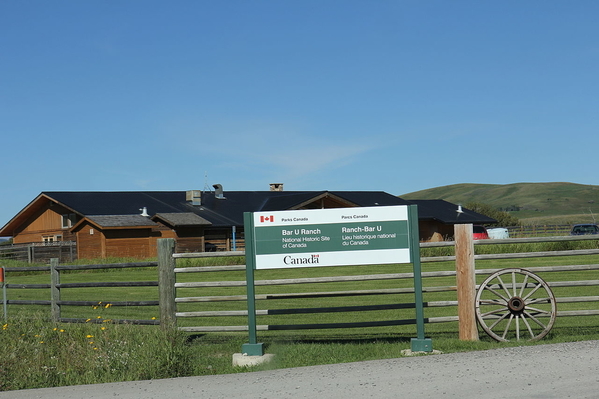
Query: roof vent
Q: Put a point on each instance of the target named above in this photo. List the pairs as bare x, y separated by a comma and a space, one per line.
144, 211
276, 186
218, 193
194, 196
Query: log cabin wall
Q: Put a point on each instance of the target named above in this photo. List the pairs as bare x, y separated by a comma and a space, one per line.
129, 243
223, 239
190, 239
90, 242
160, 231
46, 222
93, 242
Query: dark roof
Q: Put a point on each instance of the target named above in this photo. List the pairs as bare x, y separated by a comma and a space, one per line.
182, 219
120, 202
121, 221
173, 207
220, 212
446, 212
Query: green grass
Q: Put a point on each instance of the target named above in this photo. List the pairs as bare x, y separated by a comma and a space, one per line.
39, 353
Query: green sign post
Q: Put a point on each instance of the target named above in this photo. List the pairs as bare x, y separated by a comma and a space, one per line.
332, 237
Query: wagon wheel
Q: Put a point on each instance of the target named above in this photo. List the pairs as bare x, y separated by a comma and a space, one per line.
514, 304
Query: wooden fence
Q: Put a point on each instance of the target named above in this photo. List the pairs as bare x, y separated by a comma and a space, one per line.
175, 293
56, 303
65, 251
540, 230
170, 301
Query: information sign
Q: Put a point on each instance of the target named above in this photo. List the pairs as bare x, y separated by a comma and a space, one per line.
331, 237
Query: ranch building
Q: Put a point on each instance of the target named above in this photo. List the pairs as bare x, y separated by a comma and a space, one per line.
128, 223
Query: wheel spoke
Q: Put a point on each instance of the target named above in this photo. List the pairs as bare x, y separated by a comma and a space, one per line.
493, 312
507, 327
532, 291
532, 335
536, 320
502, 285
523, 285
539, 300
498, 321
506, 299
538, 311
514, 285
492, 302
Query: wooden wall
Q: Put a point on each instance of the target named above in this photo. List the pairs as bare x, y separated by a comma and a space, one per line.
127, 243
120, 243
46, 221
90, 243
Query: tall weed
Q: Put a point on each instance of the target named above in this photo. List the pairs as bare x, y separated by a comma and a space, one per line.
37, 353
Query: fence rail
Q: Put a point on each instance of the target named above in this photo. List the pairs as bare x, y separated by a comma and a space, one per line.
56, 303
542, 230
175, 294
40, 252
200, 314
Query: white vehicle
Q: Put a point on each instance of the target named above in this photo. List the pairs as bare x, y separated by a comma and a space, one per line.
498, 232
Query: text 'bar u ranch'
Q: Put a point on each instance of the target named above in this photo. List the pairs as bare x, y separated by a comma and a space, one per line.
332, 237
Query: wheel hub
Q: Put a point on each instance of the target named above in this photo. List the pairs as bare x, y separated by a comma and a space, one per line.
516, 305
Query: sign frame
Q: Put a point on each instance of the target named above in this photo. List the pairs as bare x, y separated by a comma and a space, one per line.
342, 236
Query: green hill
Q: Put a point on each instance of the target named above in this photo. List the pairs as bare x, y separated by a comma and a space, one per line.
532, 203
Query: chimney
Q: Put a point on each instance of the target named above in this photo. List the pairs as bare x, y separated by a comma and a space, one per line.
194, 196
144, 211
218, 193
276, 186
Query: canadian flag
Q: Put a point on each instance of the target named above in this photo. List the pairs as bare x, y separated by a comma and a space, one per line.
267, 219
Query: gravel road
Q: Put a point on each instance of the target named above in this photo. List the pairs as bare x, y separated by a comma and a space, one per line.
568, 370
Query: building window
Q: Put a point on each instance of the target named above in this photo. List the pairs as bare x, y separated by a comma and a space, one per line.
51, 238
68, 220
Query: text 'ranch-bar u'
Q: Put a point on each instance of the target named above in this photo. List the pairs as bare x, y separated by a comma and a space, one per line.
332, 237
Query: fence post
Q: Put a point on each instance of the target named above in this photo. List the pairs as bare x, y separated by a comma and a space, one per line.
4, 302
54, 290
166, 282
465, 281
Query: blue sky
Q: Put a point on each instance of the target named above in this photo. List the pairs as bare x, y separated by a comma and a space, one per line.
386, 95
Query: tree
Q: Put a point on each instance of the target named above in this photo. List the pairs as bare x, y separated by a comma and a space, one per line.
503, 218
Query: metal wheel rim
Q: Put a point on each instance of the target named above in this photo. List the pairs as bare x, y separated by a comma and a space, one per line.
515, 304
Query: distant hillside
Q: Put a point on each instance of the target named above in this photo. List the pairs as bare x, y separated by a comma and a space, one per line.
532, 203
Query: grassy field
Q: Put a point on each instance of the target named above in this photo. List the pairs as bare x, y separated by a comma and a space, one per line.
40, 353
539, 203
